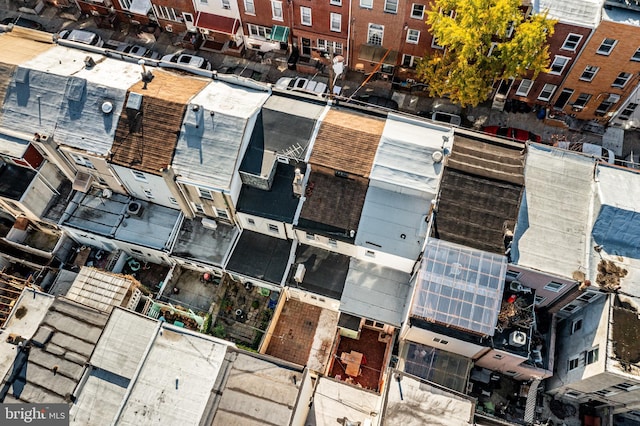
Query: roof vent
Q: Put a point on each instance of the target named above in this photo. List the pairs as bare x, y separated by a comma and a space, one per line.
300, 271
135, 208
517, 339
89, 62
134, 102
437, 156
107, 107
209, 223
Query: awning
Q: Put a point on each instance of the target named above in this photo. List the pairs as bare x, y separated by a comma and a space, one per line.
140, 7
376, 53
280, 33
217, 23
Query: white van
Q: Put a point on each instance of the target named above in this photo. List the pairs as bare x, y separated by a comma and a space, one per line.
81, 36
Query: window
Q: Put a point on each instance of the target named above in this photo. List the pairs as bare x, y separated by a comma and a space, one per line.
125, 4
167, 13
391, 6
332, 243
591, 356
136, 251
305, 15
571, 42
589, 72
606, 104
606, 46
558, 65
311, 237
249, 7
539, 299
273, 228
328, 45
571, 307
625, 386
222, 214
434, 43
226, 4
367, 4
376, 34
492, 48
370, 253
199, 208
510, 29
582, 100
139, 176
573, 363
587, 296
576, 325
417, 11
409, 61
573, 394
627, 111
636, 55
148, 193
276, 10
413, 36
622, 80
83, 161
336, 22
437, 340
173, 201
335, 2
523, 90
603, 392
554, 286
259, 32
205, 194
251, 221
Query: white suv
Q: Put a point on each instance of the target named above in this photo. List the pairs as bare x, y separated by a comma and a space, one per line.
303, 85
81, 36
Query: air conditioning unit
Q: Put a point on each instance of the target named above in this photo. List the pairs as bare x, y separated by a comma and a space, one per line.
204, 31
135, 208
518, 339
209, 223
168, 28
82, 182
299, 275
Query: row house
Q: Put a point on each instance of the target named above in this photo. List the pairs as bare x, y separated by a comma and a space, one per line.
576, 20
606, 72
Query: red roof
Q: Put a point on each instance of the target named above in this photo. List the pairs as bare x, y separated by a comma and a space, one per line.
222, 24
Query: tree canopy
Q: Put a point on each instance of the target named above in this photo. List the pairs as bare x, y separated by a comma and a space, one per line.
482, 41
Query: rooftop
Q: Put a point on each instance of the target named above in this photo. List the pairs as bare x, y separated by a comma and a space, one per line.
215, 130
334, 399
101, 290
578, 12
333, 204
553, 221
622, 13
279, 203
491, 175
16, 49
109, 217
210, 246
326, 271
414, 402
260, 256
460, 287
361, 131
375, 292
437, 366
288, 125
147, 145
14, 180
6, 75
255, 390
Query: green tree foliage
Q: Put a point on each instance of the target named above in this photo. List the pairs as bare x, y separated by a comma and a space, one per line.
483, 40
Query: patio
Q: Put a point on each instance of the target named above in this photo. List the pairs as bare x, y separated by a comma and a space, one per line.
372, 363
186, 288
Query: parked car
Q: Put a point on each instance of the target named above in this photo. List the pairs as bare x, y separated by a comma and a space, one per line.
445, 117
23, 22
138, 51
594, 150
189, 60
303, 85
82, 36
379, 101
512, 133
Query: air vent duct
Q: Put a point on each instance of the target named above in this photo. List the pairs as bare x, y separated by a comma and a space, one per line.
135, 208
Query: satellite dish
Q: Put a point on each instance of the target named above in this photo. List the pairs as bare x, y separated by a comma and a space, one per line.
107, 107
437, 156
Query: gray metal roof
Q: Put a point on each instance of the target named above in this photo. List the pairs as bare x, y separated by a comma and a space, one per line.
99, 289
108, 217
215, 130
260, 256
375, 292
554, 218
393, 222
202, 244
622, 15
579, 12
459, 286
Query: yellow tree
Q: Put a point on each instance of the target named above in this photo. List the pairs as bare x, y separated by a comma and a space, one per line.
482, 41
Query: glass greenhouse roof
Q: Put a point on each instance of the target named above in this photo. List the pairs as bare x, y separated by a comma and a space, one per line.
459, 286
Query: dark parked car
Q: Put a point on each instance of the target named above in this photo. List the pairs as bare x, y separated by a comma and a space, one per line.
23, 22
512, 133
378, 100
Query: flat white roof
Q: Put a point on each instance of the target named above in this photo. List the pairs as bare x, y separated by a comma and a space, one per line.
554, 220
99, 289
335, 399
229, 99
175, 381
404, 161
579, 12
413, 402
